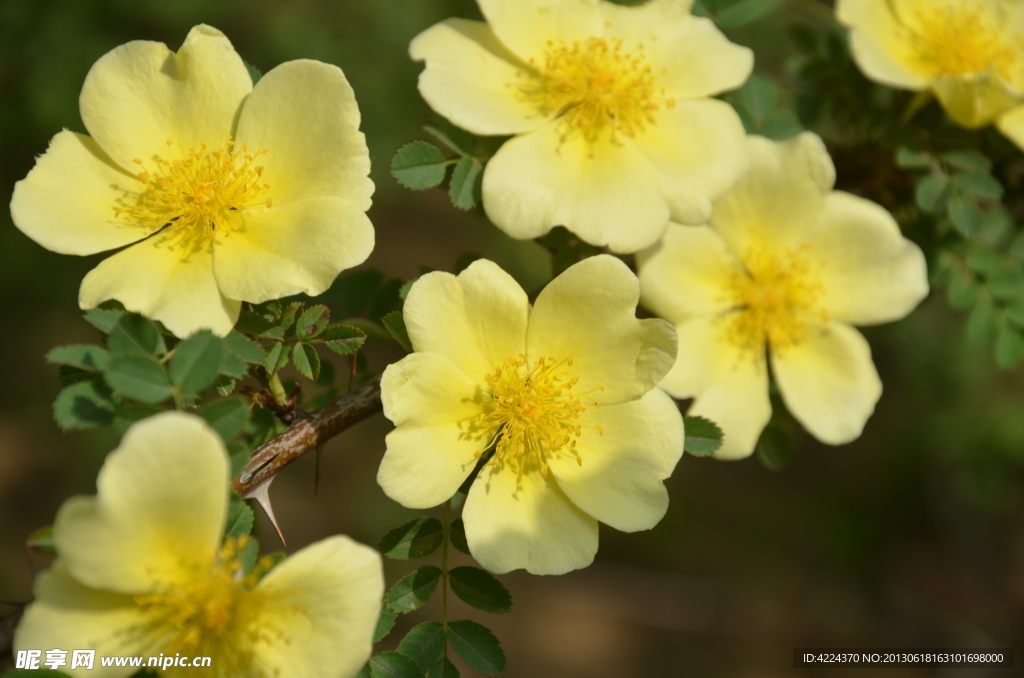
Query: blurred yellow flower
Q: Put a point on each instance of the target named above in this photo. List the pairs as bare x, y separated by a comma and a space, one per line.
614, 128
565, 394
970, 53
141, 570
788, 264
232, 192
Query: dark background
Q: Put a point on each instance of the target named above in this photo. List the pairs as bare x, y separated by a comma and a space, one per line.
911, 536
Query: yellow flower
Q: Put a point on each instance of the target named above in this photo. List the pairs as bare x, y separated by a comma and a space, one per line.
970, 53
788, 264
564, 392
232, 192
614, 130
141, 571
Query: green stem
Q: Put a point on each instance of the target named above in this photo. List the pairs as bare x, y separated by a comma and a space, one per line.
277, 390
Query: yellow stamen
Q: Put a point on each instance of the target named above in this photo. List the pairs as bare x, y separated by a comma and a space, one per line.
964, 40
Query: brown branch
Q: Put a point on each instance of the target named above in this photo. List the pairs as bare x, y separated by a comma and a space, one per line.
306, 434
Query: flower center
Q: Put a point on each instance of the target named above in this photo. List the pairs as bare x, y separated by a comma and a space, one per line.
536, 412
777, 299
205, 191
212, 615
963, 40
595, 85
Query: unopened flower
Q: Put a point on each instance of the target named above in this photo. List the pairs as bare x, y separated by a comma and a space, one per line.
231, 192
969, 53
558, 401
614, 128
788, 265
142, 570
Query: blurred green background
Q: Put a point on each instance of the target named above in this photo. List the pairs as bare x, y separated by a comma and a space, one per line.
911, 536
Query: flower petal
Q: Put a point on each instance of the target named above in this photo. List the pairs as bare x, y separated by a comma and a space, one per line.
881, 44
781, 197
829, 383
68, 203
140, 95
606, 193
872, 274
588, 313
524, 520
69, 615
304, 114
692, 56
292, 248
153, 279
526, 26
976, 99
159, 511
730, 384
472, 79
477, 320
323, 607
435, 445
1011, 124
688, 273
618, 477
700, 149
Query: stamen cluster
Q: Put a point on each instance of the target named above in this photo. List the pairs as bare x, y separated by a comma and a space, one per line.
961, 41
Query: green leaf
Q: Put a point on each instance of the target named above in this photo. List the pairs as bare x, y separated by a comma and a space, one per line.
929, 190
372, 330
424, 644
963, 289
1007, 284
128, 414
419, 165
968, 160
393, 665
227, 417
277, 357
240, 520
477, 646
463, 188
703, 436
981, 324
343, 339
139, 378
254, 73
981, 185
1016, 249
68, 375
306, 360
291, 312
1015, 313
457, 536
984, 261
909, 159
385, 623
104, 319
240, 351
312, 322
773, 448
781, 125
85, 404
480, 589
257, 325
458, 140
1009, 346
135, 335
196, 362
997, 227
415, 539
965, 215
394, 322
41, 541
744, 12
414, 589
443, 669
758, 97
84, 357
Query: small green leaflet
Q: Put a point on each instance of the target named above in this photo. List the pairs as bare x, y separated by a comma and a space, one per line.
419, 165
480, 589
477, 646
394, 322
424, 644
415, 539
414, 589
703, 436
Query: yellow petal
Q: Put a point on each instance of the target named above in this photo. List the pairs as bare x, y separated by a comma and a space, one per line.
781, 197
618, 477
700, 149
1011, 124
68, 202
881, 45
687, 273
304, 114
606, 193
691, 56
159, 511
872, 274
435, 444
829, 383
477, 320
70, 616
472, 79
140, 95
976, 99
324, 604
292, 248
153, 279
729, 384
526, 26
525, 521
588, 313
